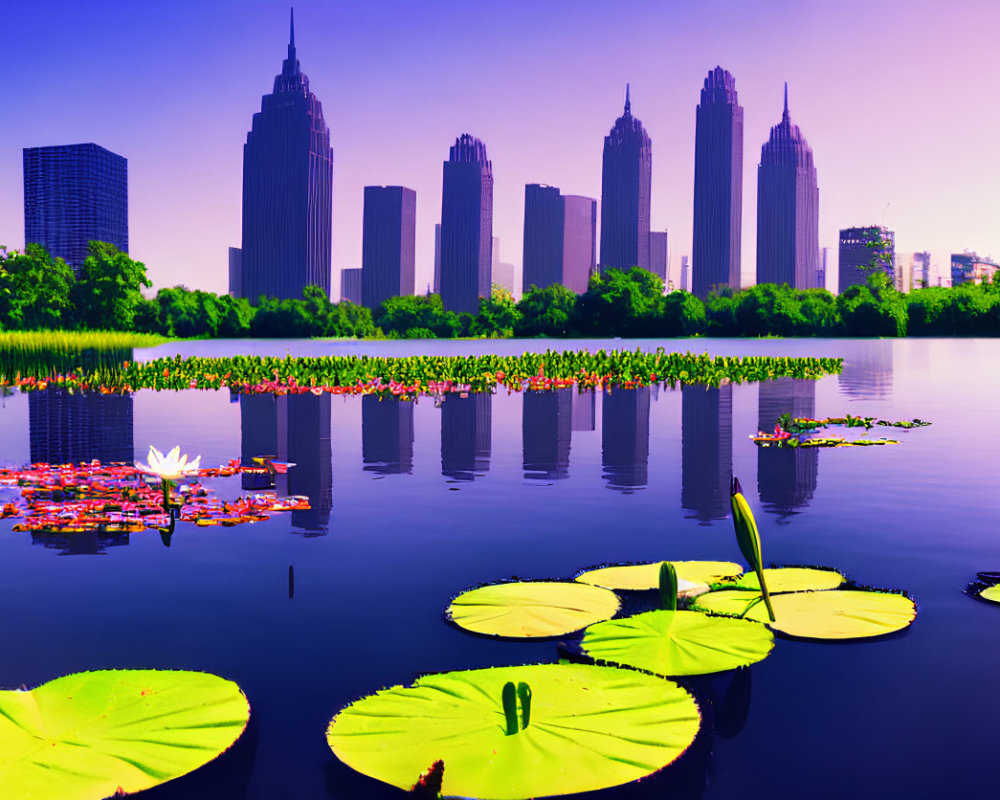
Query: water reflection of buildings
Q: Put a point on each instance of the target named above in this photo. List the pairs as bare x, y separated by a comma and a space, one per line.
293, 428
466, 424
585, 410
82, 543
625, 438
867, 374
786, 477
386, 435
546, 429
706, 450
68, 428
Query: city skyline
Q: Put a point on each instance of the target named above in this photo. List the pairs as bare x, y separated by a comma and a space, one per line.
918, 173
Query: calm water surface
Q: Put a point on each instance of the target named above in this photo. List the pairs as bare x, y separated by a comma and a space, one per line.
413, 503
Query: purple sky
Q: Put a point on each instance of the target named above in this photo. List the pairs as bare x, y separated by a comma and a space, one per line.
896, 97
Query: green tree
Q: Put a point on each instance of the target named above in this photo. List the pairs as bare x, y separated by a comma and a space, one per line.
34, 289
681, 314
620, 303
498, 315
546, 312
108, 288
397, 315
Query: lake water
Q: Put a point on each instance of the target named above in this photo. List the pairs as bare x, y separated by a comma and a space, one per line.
413, 503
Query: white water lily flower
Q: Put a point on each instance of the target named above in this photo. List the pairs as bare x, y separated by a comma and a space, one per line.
169, 467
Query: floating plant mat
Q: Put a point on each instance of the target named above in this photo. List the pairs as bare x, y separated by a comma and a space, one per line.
837, 614
678, 642
92, 734
641, 577
791, 579
570, 728
791, 432
532, 608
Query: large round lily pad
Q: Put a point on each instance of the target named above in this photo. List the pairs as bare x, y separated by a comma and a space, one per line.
792, 579
678, 642
641, 577
847, 614
991, 593
532, 608
88, 735
589, 728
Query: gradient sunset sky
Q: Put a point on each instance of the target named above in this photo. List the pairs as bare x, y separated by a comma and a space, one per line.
898, 99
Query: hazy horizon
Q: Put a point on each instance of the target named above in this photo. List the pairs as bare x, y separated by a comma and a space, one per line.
889, 95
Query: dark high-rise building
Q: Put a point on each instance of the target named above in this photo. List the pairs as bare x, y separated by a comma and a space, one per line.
544, 216
350, 285
625, 192
466, 226
659, 254
386, 435
75, 194
718, 185
437, 258
287, 190
861, 249
786, 476
546, 431
560, 237
388, 244
787, 208
235, 272
466, 435
706, 450
625, 438
66, 428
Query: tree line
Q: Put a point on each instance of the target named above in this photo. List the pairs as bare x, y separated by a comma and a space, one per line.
38, 292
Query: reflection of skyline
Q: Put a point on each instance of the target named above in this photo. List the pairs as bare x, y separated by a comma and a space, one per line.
625, 438
867, 374
466, 424
585, 410
83, 543
293, 428
706, 450
786, 477
66, 428
386, 435
546, 429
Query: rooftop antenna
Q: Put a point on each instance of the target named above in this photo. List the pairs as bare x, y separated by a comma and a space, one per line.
628, 102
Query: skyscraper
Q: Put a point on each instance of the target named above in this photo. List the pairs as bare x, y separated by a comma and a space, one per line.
787, 208
466, 226
350, 285
74, 194
287, 190
625, 193
388, 244
235, 271
659, 254
860, 248
718, 185
560, 233
437, 258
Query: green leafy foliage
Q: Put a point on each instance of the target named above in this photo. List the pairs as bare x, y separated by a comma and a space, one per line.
95, 734
108, 287
590, 728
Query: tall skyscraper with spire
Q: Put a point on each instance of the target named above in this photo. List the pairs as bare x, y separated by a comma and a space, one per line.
287, 190
466, 226
718, 185
625, 192
787, 208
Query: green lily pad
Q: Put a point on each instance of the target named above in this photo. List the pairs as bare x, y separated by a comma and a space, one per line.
991, 593
641, 577
792, 579
589, 728
92, 734
678, 642
846, 614
532, 608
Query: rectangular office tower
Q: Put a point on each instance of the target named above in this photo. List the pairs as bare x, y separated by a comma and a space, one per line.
560, 238
75, 194
861, 251
466, 226
388, 244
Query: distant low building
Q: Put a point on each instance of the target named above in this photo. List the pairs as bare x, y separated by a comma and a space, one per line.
903, 272
235, 274
503, 276
860, 249
686, 273
659, 255
350, 285
921, 270
968, 267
